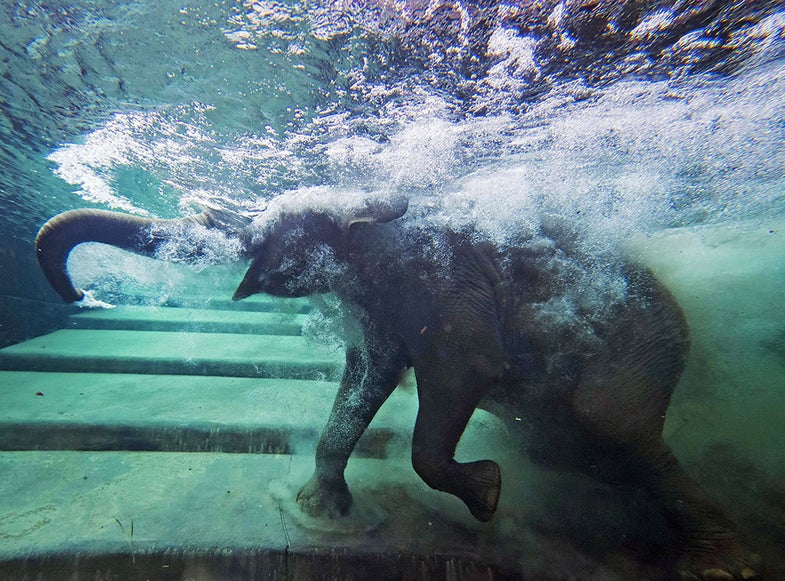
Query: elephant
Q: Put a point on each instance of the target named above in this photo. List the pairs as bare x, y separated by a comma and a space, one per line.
466, 313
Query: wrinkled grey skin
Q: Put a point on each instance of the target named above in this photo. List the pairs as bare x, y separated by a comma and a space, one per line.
463, 316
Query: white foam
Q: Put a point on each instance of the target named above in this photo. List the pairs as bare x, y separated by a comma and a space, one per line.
90, 302
423, 154
197, 245
653, 24
89, 164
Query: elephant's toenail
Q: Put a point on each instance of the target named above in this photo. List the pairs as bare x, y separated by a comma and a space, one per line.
748, 574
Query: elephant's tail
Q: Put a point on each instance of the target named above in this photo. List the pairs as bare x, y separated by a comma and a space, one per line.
65, 231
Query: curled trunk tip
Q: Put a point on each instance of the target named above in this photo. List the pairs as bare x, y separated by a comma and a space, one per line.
64, 232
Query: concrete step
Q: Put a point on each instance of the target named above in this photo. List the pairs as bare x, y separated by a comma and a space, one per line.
137, 318
184, 353
95, 411
121, 515
263, 303
108, 438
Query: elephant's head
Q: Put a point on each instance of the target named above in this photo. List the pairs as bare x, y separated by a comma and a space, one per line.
144, 236
295, 251
298, 253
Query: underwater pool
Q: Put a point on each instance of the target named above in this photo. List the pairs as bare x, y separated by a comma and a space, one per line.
475, 192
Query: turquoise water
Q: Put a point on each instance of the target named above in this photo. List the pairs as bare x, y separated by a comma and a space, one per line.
654, 131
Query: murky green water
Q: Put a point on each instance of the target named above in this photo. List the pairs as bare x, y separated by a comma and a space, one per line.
651, 131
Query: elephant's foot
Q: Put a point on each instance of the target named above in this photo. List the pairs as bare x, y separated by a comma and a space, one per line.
719, 559
322, 497
483, 480
477, 484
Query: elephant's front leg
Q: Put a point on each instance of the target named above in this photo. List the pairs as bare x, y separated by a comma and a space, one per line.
372, 372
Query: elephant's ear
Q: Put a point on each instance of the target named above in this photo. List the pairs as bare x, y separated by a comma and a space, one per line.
377, 211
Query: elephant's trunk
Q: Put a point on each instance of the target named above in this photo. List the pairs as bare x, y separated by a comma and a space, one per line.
65, 231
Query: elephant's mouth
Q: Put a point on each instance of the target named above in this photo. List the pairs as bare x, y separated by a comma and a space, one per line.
241, 294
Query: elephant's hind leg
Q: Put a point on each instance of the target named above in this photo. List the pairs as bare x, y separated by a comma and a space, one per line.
621, 403
446, 404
